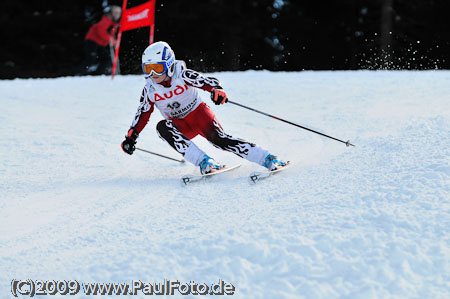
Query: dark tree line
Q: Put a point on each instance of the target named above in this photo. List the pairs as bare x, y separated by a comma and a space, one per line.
45, 38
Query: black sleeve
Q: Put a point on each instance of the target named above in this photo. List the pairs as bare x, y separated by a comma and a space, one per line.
196, 79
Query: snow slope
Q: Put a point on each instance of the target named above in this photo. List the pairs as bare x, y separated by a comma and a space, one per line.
366, 222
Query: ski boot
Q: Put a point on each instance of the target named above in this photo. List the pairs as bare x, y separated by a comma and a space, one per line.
208, 165
272, 163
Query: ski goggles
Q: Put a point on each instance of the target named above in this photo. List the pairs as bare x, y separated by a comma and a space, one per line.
154, 68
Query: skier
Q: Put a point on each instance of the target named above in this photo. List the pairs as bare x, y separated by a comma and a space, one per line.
172, 88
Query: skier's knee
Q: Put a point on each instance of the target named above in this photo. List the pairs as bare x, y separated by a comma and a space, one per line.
214, 138
162, 127
221, 141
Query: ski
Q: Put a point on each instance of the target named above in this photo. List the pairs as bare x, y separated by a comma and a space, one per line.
191, 178
257, 176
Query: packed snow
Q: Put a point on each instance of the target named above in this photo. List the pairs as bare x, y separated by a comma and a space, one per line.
371, 221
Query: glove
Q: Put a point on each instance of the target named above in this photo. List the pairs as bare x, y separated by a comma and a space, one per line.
218, 96
129, 142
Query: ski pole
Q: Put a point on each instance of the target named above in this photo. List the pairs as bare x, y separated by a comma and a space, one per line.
347, 143
156, 154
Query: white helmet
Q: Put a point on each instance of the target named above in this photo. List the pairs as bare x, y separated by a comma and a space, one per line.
158, 53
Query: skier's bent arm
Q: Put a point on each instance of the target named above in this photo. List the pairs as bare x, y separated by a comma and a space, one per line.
143, 113
211, 84
195, 79
141, 119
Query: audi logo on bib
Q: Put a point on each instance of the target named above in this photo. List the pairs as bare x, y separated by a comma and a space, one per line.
177, 91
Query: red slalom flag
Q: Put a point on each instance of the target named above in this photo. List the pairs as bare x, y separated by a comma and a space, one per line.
139, 16
136, 17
